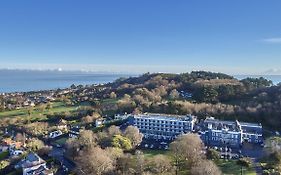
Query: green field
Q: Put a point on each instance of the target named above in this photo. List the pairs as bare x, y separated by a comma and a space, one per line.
151, 153
230, 167
38, 112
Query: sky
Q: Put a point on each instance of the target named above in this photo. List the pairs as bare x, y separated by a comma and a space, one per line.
236, 37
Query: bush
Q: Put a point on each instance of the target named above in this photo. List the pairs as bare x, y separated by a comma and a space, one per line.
212, 154
4, 155
121, 142
245, 162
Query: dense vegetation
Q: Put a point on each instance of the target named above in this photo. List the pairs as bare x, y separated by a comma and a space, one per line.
200, 93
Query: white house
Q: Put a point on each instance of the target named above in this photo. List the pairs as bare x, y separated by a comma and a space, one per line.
32, 164
55, 134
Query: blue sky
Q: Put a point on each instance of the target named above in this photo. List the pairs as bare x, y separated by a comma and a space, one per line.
142, 35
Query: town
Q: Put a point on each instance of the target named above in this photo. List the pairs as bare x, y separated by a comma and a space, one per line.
134, 127
228, 138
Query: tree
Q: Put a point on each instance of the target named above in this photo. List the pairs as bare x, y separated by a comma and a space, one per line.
113, 95
121, 142
273, 144
126, 104
35, 144
113, 130
72, 148
273, 150
87, 119
48, 106
29, 111
4, 164
94, 161
87, 138
96, 115
187, 149
161, 165
20, 138
245, 162
44, 151
134, 135
140, 163
212, 154
125, 165
204, 167
174, 94
114, 153
37, 128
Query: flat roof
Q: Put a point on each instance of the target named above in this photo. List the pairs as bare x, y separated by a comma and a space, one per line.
165, 116
250, 124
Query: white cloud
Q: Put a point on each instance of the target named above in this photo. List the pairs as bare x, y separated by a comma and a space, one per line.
273, 72
272, 40
136, 69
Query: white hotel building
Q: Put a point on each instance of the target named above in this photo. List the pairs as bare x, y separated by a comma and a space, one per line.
164, 126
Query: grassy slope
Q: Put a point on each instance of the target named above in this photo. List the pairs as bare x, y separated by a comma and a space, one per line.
57, 107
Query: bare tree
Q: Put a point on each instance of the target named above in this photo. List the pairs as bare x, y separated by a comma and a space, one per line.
161, 165
94, 161
174, 94
134, 135
204, 167
87, 138
140, 163
113, 95
113, 130
72, 148
20, 138
125, 165
187, 149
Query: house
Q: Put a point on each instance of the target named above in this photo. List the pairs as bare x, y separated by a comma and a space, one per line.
32, 164
230, 133
221, 133
14, 152
99, 122
28, 103
62, 125
164, 126
74, 131
122, 117
55, 134
10, 143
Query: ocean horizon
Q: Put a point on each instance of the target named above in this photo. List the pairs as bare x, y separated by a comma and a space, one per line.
30, 80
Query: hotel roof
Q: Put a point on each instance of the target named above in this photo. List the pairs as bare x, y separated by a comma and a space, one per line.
166, 116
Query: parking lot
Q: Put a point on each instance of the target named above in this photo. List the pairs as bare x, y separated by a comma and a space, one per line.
155, 144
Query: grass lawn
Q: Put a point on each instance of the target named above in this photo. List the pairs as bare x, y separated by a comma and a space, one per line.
4, 155
37, 113
151, 153
61, 141
231, 168
227, 167
109, 101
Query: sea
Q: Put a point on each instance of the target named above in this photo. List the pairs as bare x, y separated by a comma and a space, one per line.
276, 79
27, 80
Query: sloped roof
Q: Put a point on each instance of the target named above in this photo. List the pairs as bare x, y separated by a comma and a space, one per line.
32, 159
